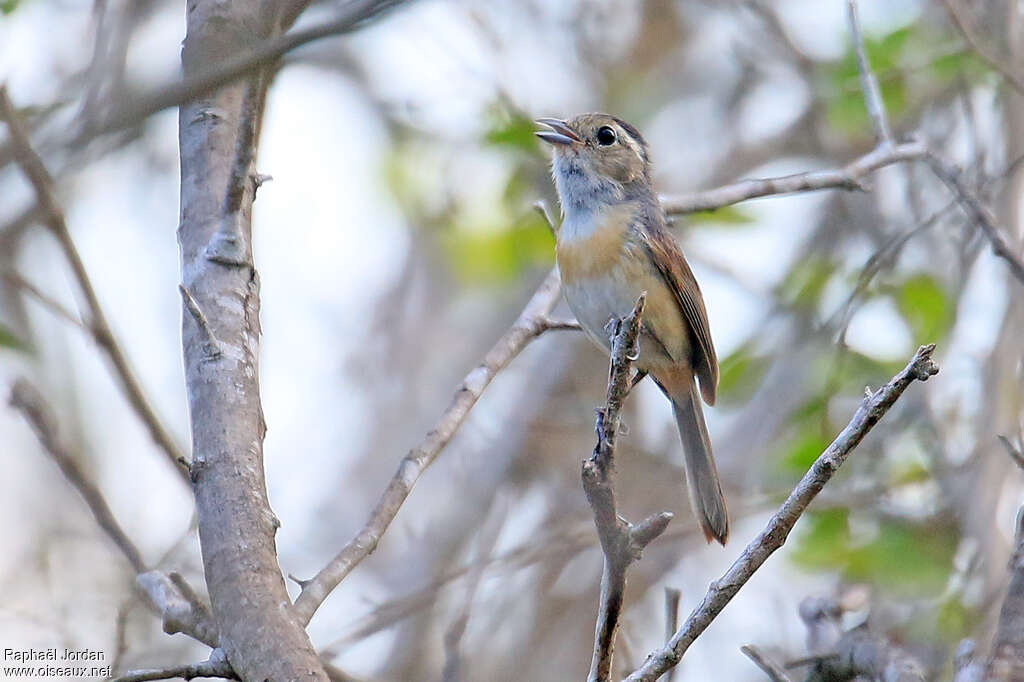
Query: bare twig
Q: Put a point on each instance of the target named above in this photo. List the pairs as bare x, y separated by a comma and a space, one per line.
526, 328
977, 46
42, 182
211, 345
1012, 450
453, 670
849, 177
26, 399
1006, 661
352, 16
550, 324
951, 176
773, 670
51, 304
210, 668
672, 597
721, 592
868, 82
621, 541
179, 607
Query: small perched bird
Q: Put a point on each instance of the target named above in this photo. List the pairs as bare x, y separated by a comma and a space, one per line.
612, 246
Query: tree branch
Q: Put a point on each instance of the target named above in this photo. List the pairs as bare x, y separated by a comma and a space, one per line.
237, 527
27, 400
1006, 661
245, 61
211, 668
975, 41
33, 167
529, 325
849, 177
621, 541
951, 176
180, 609
773, 670
868, 82
871, 410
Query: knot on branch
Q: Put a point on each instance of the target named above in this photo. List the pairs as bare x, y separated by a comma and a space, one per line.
922, 366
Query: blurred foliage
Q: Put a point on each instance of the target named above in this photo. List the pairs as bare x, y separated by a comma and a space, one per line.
728, 216
847, 112
501, 254
926, 307
512, 130
805, 282
8, 6
8, 339
488, 240
739, 375
907, 63
897, 556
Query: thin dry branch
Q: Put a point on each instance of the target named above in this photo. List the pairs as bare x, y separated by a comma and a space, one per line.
180, 609
352, 16
868, 81
951, 176
27, 400
672, 597
871, 410
1006, 661
849, 177
528, 326
621, 541
210, 668
18, 282
977, 46
33, 167
774, 671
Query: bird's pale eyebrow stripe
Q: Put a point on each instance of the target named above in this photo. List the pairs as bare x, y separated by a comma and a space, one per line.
633, 138
637, 148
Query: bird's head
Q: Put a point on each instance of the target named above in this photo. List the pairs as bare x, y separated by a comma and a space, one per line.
598, 159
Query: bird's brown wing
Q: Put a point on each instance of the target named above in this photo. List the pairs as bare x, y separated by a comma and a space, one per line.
671, 264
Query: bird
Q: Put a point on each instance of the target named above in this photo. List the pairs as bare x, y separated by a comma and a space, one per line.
613, 245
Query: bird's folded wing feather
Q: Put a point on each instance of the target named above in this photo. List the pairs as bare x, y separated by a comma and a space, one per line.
669, 259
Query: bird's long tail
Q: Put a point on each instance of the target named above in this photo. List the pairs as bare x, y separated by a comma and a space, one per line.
701, 475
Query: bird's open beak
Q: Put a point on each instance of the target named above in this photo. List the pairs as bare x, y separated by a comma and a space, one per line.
560, 132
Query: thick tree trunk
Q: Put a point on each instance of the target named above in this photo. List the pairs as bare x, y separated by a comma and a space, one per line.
220, 333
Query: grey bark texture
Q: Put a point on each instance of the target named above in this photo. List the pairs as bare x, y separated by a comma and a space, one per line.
258, 632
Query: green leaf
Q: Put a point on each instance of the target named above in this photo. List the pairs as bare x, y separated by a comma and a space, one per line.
740, 374
824, 540
493, 256
965, 63
512, 131
8, 6
955, 621
925, 306
847, 110
902, 557
805, 449
905, 557
8, 339
806, 281
725, 216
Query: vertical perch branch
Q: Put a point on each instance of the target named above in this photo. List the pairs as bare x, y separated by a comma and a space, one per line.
220, 340
621, 541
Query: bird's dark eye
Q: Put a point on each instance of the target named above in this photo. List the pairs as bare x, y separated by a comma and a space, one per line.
605, 136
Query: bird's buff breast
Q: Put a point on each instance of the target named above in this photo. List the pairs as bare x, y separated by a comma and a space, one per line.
604, 271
